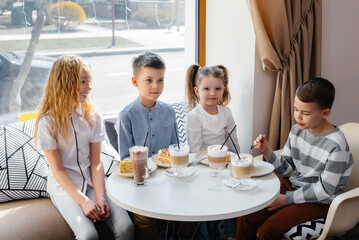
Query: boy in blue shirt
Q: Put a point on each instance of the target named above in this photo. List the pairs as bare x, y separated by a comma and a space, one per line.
146, 114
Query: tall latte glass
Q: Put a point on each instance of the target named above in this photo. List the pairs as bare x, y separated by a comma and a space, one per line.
217, 158
139, 156
242, 168
179, 158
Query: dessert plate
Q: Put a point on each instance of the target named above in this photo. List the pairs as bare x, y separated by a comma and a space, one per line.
261, 168
116, 169
154, 159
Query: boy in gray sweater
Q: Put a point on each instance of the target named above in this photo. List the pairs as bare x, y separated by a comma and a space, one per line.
318, 159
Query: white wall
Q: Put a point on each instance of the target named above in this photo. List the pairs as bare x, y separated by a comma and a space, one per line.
230, 41
340, 57
264, 85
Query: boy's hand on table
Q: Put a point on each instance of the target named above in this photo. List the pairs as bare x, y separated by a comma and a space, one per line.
278, 203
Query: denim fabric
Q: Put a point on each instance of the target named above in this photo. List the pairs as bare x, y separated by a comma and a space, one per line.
135, 120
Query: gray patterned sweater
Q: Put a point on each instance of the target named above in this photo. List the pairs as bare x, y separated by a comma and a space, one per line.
320, 165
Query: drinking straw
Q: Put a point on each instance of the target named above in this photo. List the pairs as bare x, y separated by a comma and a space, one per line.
144, 144
174, 125
228, 136
235, 148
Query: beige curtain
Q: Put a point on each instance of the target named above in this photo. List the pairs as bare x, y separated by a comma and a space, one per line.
288, 39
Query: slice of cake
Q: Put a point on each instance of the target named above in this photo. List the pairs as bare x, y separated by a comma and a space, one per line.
125, 166
164, 156
228, 157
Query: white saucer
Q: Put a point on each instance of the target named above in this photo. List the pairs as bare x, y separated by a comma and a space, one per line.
242, 185
116, 169
154, 159
261, 168
186, 173
200, 156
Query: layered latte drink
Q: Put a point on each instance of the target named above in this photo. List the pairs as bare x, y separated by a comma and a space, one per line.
242, 168
139, 156
217, 156
179, 156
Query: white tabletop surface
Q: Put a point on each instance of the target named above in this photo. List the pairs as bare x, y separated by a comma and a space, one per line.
189, 199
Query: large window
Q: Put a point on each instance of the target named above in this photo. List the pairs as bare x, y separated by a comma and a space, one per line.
105, 33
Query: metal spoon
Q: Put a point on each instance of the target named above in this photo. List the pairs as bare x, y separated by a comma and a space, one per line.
258, 142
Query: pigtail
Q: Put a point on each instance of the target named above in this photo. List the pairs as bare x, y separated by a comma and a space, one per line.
226, 94
190, 84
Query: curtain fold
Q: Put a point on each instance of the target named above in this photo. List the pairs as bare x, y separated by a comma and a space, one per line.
288, 40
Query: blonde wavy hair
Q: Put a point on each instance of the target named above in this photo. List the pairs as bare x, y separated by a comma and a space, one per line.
62, 96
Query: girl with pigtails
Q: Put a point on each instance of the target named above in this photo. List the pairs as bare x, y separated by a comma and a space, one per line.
209, 121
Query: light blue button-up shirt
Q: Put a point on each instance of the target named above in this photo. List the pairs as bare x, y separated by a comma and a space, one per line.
135, 120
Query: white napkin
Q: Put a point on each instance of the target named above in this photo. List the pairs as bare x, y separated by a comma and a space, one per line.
189, 171
243, 185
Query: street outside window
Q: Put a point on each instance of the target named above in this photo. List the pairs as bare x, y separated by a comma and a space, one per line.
107, 34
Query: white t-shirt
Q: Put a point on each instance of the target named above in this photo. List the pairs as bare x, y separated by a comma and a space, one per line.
75, 155
205, 129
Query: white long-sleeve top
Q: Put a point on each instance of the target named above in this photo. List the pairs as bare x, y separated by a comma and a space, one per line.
204, 129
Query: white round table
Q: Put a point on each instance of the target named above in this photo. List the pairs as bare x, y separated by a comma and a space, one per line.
189, 199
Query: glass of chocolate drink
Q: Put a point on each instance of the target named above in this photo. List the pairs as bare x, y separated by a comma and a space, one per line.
179, 158
242, 168
216, 158
139, 156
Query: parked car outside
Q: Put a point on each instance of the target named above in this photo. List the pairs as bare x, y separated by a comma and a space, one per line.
33, 88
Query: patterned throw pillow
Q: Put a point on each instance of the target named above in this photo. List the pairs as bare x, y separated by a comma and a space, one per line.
23, 169
308, 230
181, 110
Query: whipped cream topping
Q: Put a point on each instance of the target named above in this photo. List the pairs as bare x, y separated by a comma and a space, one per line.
245, 161
138, 149
182, 151
216, 151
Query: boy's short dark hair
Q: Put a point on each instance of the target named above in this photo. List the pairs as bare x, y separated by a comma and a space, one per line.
317, 90
147, 59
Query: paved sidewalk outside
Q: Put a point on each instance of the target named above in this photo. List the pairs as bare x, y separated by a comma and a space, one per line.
149, 39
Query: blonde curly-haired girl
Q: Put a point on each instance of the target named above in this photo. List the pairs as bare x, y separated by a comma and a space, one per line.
70, 131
